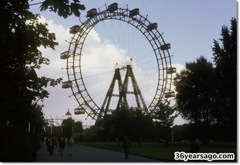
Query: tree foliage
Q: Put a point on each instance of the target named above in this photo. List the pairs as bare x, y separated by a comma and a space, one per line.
164, 120
207, 95
225, 58
120, 123
78, 127
63, 8
21, 35
196, 92
68, 127
166, 115
135, 124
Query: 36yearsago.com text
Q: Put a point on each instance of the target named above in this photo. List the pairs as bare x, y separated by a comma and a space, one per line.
183, 156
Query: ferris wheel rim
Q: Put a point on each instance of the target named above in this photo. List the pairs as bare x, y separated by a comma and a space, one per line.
78, 42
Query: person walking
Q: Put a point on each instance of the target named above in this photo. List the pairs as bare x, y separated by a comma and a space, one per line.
126, 147
70, 144
51, 143
61, 144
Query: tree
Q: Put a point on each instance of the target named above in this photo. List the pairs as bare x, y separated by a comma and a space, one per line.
143, 126
21, 35
78, 127
122, 122
63, 8
68, 127
196, 94
225, 58
164, 119
104, 128
36, 117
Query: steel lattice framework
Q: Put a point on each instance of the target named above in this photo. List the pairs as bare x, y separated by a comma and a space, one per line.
143, 25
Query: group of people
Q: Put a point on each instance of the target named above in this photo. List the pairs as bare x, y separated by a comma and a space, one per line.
53, 142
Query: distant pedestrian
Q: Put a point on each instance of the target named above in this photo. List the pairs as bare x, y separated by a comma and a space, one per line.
61, 144
117, 140
126, 146
48, 144
51, 143
70, 144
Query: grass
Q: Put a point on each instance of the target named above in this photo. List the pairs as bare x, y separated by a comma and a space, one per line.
160, 151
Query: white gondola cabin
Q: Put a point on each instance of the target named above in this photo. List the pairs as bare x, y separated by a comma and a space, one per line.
134, 12
165, 46
64, 55
171, 70
112, 7
67, 84
169, 94
79, 111
91, 13
75, 29
152, 26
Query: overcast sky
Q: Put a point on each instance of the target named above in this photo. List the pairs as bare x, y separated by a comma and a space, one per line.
189, 25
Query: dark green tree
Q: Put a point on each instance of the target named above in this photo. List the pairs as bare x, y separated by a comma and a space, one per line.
63, 8
225, 58
21, 35
68, 127
104, 128
164, 120
36, 119
196, 94
143, 126
78, 127
132, 123
122, 122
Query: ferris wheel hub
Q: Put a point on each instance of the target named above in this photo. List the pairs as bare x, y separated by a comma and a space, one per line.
124, 65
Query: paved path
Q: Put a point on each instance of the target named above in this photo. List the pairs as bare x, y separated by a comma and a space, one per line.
86, 154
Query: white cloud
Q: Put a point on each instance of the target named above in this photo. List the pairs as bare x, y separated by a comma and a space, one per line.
179, 67
54, 69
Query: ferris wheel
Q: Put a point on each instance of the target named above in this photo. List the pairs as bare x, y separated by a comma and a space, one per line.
118, 59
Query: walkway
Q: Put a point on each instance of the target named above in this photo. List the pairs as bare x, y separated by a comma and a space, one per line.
86, 154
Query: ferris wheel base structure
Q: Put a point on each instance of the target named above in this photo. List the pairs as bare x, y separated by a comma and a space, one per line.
76, 82
123, 91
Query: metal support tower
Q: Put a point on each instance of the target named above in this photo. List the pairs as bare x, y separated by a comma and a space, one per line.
123, 91
123, 103
109, 95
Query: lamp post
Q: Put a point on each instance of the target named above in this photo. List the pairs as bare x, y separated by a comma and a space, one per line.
62, 129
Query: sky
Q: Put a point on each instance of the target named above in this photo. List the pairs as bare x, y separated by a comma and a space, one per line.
189, 25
